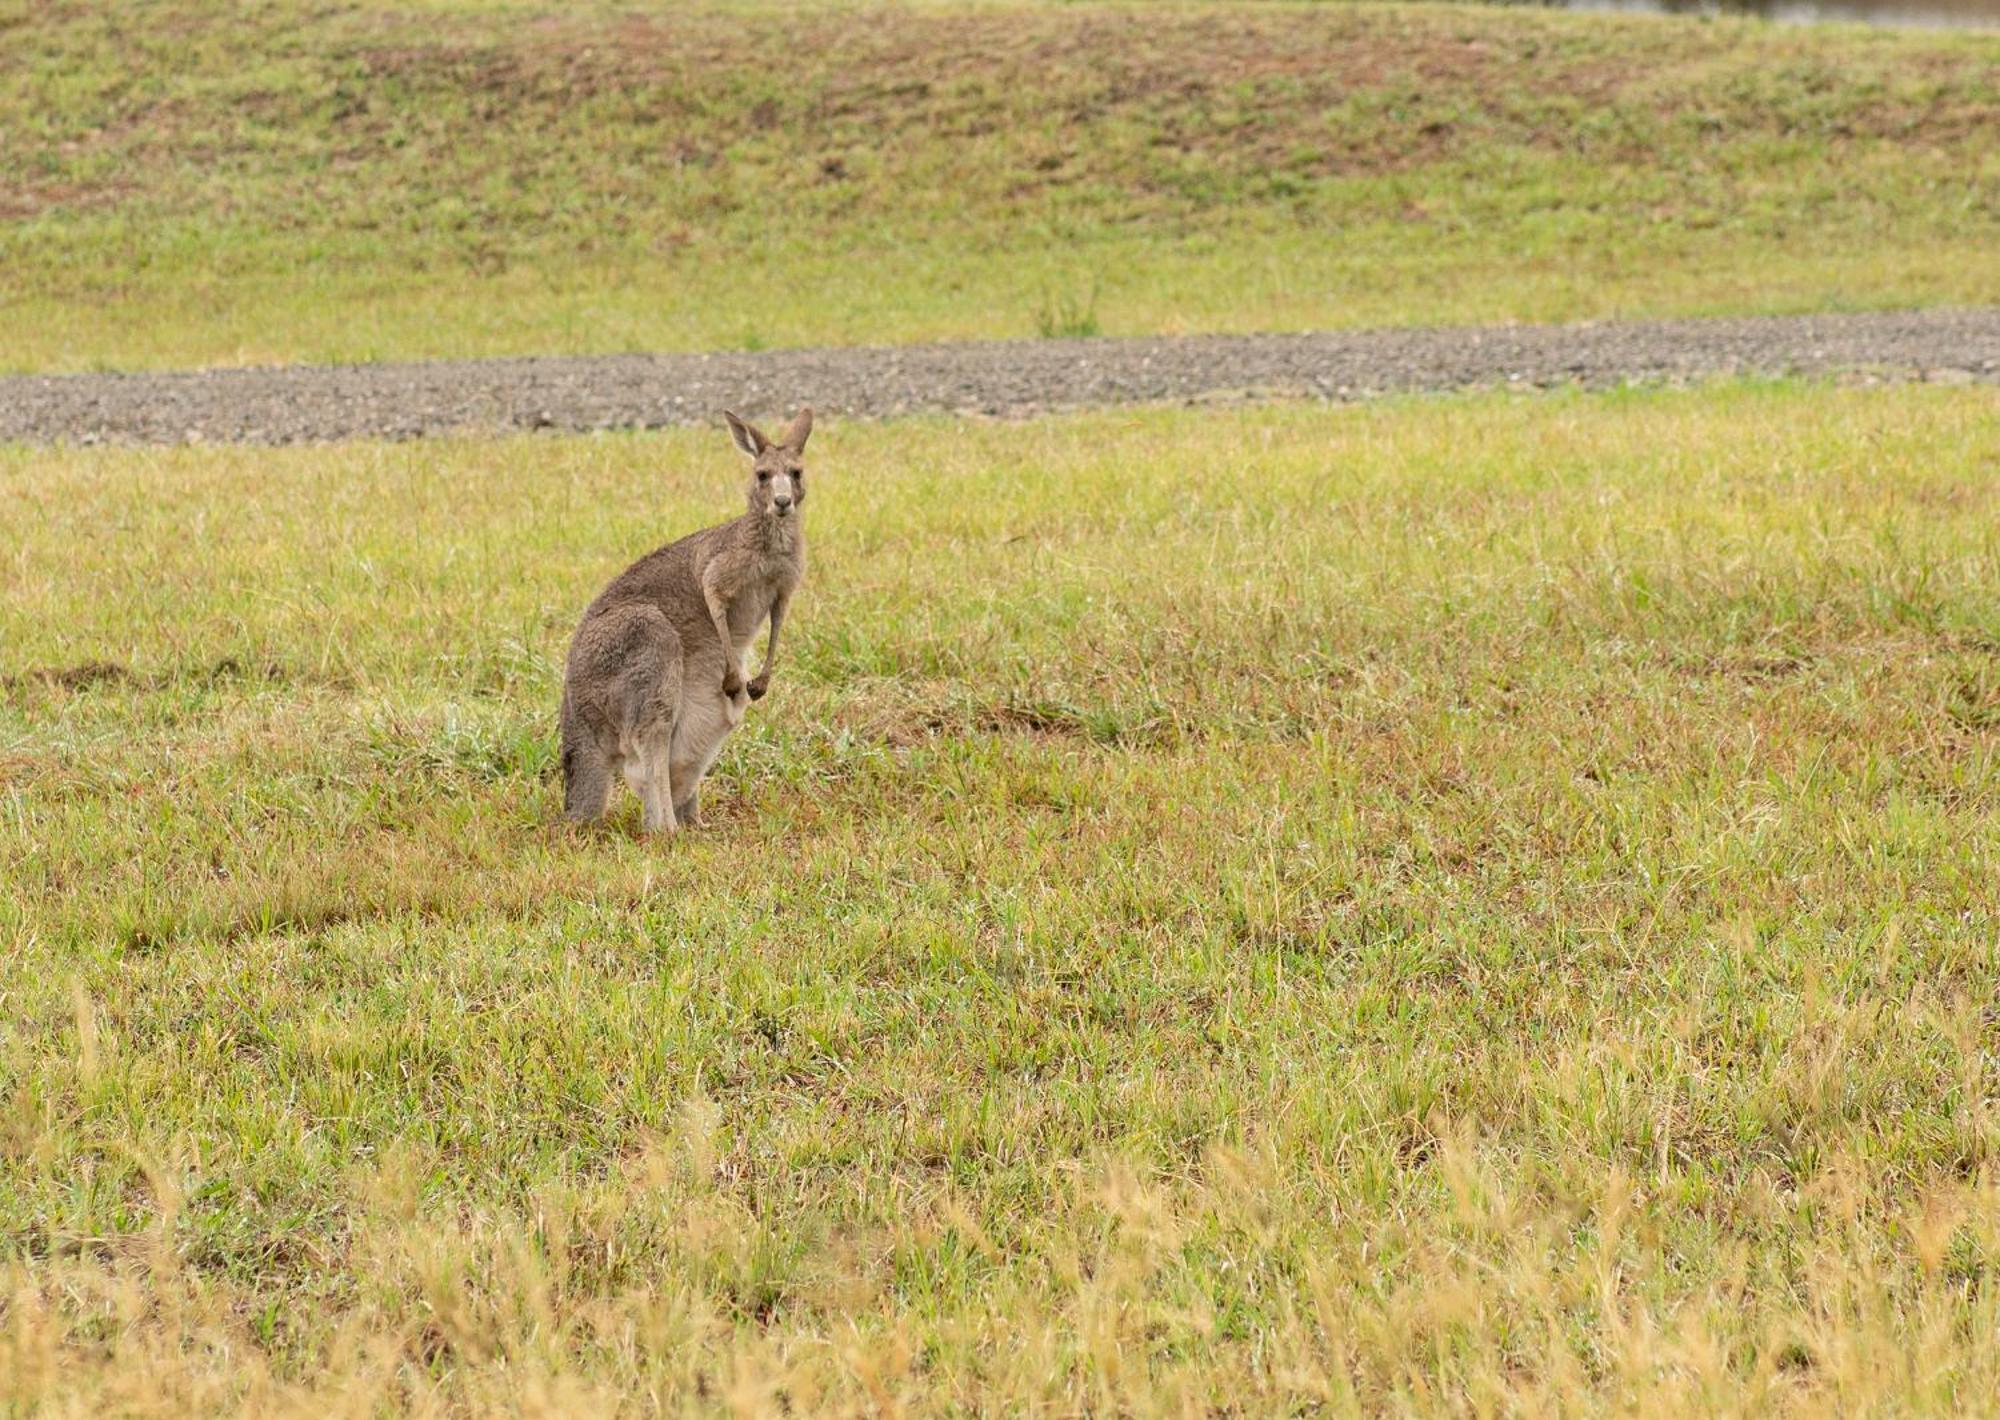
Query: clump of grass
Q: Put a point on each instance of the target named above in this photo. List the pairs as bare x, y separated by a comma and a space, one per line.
1480, 902
1068, 313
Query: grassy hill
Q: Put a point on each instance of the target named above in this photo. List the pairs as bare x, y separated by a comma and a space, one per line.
184, 184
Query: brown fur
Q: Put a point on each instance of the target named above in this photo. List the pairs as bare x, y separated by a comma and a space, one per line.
654, 682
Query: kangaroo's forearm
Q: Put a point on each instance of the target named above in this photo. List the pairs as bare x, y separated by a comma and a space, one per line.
771, 646
718, 612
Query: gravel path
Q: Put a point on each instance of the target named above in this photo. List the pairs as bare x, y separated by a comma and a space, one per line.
294, 403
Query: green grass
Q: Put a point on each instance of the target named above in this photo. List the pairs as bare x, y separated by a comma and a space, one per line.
182, 184
1453, 904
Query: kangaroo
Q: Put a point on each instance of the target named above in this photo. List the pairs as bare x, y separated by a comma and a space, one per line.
654, 682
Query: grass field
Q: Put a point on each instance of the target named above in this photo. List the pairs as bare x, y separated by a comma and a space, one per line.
186, 184
1431, 906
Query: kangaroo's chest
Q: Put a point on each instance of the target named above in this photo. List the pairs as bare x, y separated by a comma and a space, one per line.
751, 607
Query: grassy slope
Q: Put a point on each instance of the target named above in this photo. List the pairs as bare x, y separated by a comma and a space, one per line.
354, 182
1476, 897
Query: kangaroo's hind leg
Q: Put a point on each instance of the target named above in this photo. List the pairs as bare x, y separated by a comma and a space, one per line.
652, 704
621, 701
646, 772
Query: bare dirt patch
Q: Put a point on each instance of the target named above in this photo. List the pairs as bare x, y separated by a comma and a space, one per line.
77, 677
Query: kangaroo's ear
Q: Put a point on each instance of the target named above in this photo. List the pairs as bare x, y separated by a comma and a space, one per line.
801, 430
747, 435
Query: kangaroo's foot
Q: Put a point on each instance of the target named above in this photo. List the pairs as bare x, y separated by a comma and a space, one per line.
658, 816
656, 803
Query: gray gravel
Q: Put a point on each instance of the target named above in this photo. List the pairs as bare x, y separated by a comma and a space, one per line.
298, 403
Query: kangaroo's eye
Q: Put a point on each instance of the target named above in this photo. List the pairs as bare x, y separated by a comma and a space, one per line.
798, 473
763, 475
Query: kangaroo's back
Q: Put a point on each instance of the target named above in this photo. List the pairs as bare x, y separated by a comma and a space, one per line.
668, 578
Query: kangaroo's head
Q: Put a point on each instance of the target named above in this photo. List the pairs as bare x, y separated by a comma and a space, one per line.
777, 470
